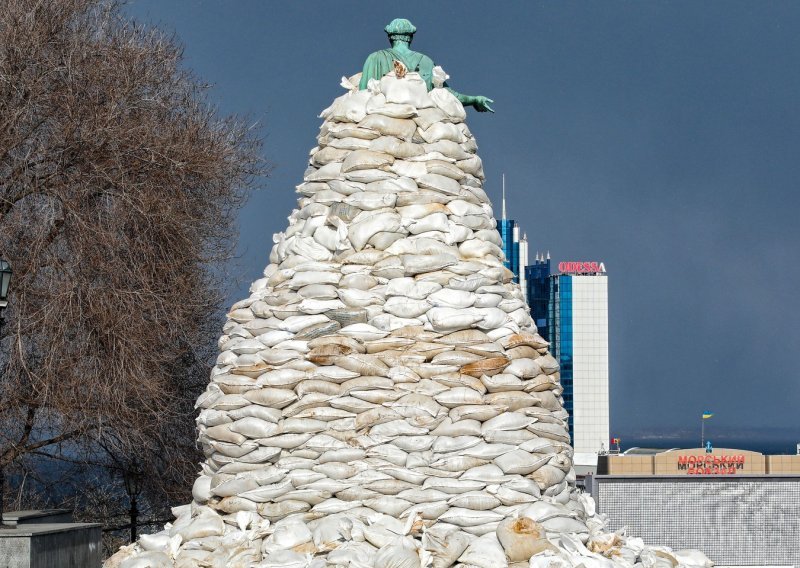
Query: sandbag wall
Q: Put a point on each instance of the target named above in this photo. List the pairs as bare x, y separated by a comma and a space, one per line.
382, 398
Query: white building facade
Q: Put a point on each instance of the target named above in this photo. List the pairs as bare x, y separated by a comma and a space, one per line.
590, 405
571, 310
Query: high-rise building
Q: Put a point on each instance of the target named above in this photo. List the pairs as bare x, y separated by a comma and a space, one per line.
509, 233
523, 262
570, 309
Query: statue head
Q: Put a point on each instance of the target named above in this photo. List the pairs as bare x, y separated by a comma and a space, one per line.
400, 29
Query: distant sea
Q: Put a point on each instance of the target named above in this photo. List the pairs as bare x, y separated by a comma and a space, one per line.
765, 444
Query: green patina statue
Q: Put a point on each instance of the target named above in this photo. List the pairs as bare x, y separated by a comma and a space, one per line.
379, 63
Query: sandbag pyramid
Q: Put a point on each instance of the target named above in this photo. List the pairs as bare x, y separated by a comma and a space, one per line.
382, 399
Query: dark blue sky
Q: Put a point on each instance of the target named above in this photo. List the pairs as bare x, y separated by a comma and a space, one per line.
661, 138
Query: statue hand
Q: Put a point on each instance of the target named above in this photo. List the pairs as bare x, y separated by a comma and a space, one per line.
481, 104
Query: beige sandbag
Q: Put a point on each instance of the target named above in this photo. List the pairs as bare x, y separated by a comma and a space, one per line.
522, 538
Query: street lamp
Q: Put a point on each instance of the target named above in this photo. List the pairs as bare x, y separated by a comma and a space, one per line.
5, 280
133, 481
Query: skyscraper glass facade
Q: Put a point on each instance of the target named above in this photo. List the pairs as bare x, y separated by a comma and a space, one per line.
510, 235
561, 294
537, 281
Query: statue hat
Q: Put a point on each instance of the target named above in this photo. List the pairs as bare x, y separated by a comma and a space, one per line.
400, 26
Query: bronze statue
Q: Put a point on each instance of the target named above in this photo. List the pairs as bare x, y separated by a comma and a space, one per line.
379, 63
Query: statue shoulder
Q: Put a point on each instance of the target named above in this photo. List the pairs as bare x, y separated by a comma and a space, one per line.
377, 64
381, 54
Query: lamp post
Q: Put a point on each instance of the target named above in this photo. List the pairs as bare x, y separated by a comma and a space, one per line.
133, 480
5, 280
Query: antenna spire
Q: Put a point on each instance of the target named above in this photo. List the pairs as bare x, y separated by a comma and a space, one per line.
504, 197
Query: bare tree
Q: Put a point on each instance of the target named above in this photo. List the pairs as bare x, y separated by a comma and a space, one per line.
118, 189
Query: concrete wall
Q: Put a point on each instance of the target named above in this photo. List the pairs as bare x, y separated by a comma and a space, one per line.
627, 465
746, 520
62, 545
697, 462
783, 465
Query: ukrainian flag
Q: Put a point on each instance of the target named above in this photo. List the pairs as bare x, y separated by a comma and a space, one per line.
707, 414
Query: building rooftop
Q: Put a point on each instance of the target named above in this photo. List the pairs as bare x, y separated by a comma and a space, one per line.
646, 451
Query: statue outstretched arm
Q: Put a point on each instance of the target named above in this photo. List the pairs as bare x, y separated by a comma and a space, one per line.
478, 102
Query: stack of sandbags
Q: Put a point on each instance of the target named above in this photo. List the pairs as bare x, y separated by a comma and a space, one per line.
382, 398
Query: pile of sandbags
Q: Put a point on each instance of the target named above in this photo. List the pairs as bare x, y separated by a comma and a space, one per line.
382, 398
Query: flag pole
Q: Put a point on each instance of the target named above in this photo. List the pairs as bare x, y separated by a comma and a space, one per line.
702, 431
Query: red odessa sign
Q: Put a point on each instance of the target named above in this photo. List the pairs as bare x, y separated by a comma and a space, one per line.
711, 465
581, 267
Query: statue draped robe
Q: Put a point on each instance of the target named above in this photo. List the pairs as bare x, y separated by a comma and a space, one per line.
381, 62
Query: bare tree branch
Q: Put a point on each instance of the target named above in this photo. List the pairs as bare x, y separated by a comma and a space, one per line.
119, 185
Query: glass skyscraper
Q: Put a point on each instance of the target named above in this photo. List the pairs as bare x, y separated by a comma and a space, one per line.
509, 233
514, 248
570, 309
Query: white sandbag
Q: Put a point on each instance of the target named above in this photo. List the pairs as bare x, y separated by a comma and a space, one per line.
284, 559
511, 498
410, 90
453, 486
365, 159
428, 116
449, 298
150, 559
480, 412
507, 421
548, 559
386, 126
463, 517
521, 462
409, 169
254, 427
388, 505
692, 558
513, 437
458, 396
442, 131
475, 500
484, 552
439, 183
523, 368
457, 428
224, 433
551, 431
448, 150
417, 264
363, 332
370, 200
488, 473
207, 523
433, 222
406, 307
448, 103
350, 107
362, 231
451, 319
444, 545
287, 534
271, 397
396, 147
488, 451
158, 542
445, 168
